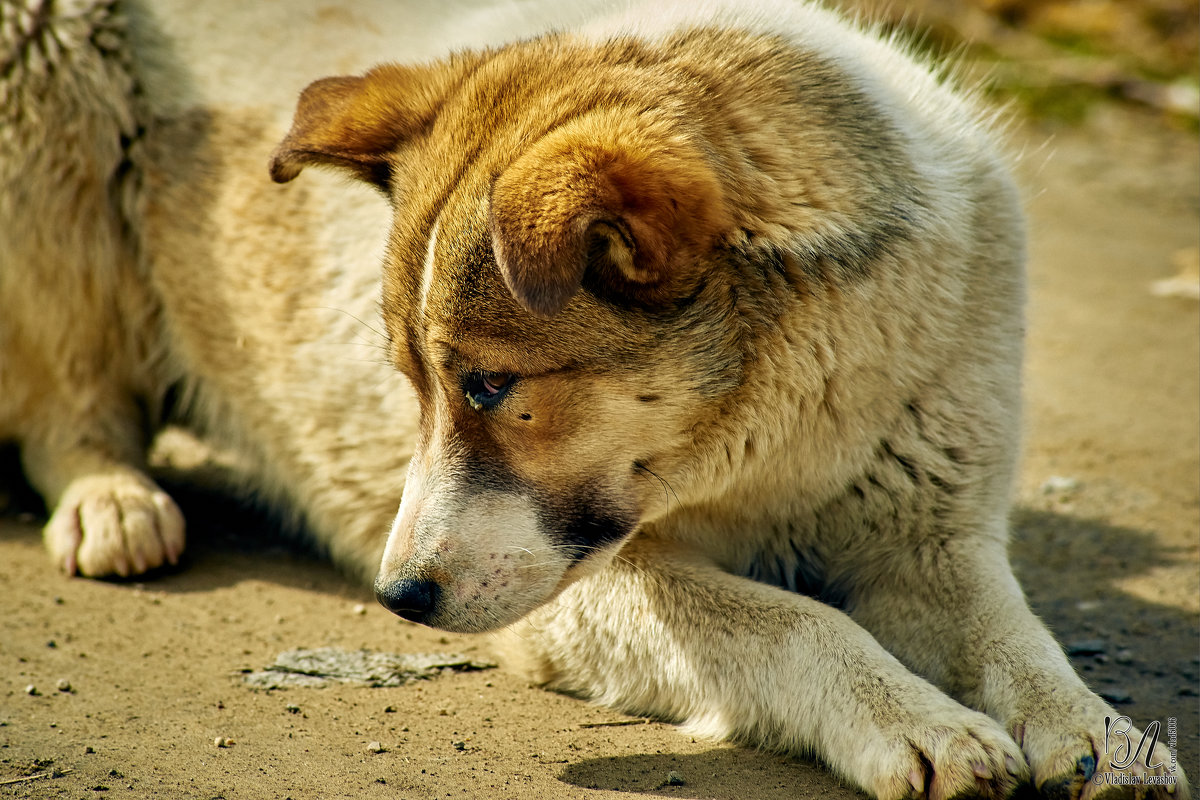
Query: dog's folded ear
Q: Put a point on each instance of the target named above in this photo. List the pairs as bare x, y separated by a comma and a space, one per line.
355, 122
620, 193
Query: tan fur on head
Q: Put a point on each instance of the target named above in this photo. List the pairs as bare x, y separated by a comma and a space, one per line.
619, 188
624, 191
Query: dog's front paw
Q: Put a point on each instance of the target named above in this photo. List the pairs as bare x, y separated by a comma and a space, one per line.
114, 524
1074, 762
959, 755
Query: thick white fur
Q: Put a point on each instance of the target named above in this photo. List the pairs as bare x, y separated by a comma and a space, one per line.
170, 261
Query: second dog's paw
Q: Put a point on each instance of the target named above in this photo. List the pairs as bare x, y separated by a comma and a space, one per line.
115, 524
1071, 763
967, 755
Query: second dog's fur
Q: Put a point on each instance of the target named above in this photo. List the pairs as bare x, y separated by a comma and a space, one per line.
706, 336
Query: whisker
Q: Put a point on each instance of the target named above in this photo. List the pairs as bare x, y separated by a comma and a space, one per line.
668, 490
356, 318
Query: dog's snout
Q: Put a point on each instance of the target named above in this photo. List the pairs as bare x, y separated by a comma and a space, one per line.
408, 598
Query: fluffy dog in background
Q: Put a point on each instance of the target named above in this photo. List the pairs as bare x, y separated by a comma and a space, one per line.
706, 332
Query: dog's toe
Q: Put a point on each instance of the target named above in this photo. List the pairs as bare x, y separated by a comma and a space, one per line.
971, 759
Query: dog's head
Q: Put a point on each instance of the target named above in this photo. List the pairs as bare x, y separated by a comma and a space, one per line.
558, 288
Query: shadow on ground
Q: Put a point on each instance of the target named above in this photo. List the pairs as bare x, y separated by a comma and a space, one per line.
722, 774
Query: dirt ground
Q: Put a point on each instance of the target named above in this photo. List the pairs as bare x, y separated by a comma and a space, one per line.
1106, 541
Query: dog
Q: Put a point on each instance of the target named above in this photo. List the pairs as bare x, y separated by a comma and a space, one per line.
702, 327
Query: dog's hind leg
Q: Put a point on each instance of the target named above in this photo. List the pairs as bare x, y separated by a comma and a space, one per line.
78, 397
77, 359
663, 632
953, 612
108, 516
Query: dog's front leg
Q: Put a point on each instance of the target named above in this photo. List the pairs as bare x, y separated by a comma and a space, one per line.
954, 613
663, 632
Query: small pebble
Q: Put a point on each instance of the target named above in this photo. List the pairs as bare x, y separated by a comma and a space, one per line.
292, 708
222, 741
1086, 647
675, 779
376, 747
1058, 484
1114, 695
460, 745
32, 690
360, 609
63, 685
87, 751
1124, 657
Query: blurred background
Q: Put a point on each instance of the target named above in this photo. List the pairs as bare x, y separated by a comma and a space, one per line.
1059, 58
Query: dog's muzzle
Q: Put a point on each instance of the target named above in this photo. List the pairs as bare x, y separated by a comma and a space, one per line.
408, 598
466, 559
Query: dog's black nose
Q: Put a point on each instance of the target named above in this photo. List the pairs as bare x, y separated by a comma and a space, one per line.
405, 597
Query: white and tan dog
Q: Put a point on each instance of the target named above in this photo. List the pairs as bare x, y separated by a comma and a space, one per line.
706, 327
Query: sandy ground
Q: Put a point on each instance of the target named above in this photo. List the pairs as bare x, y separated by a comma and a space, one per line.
1105, 541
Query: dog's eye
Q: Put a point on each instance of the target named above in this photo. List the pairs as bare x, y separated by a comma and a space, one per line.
486, 389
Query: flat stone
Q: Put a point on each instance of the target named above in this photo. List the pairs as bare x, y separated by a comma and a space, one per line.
324, 665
